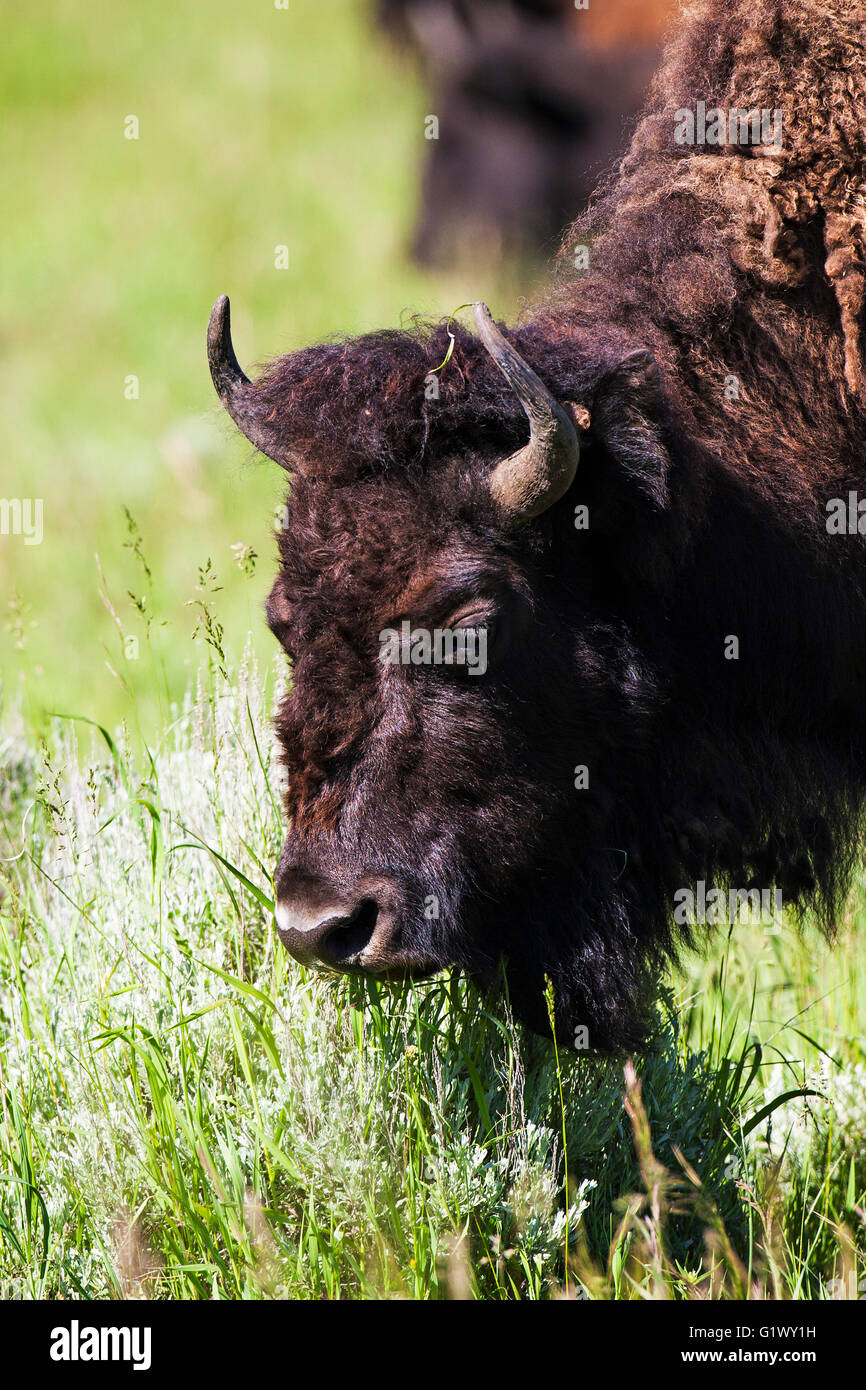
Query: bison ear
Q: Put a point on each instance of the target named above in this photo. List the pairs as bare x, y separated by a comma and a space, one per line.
627, 417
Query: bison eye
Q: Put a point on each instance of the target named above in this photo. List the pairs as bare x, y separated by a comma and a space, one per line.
474, 630
475, 637
474, 624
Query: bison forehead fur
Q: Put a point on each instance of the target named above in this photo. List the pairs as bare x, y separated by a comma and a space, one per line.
448, 805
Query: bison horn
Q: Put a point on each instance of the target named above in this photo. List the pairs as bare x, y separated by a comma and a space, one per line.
529, 481
234, 389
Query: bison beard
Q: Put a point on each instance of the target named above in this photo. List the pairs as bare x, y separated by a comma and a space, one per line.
711, 364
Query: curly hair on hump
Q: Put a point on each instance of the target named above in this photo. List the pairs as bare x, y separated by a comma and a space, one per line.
687, 218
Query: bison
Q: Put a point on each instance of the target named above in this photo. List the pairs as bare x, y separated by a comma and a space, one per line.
643, 502
532, 99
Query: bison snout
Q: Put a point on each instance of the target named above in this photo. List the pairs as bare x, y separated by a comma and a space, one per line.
354, 931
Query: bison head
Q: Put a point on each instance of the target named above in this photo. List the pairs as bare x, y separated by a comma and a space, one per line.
446, 812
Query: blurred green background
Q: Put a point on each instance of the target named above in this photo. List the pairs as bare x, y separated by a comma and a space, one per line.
258, 128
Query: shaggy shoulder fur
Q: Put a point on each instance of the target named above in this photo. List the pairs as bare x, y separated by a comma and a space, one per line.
747, 261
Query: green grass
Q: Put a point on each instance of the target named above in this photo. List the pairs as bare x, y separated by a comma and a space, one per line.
258, 128
187, 1114
183, 1112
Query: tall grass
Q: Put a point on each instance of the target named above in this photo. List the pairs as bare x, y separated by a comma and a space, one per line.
187, 1114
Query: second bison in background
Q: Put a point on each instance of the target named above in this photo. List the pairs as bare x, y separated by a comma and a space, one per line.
532, 99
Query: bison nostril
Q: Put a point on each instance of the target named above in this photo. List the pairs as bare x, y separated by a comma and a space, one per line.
351, 931
349, 936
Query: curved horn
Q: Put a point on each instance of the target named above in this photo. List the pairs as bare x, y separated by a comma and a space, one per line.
234, 389
529, 481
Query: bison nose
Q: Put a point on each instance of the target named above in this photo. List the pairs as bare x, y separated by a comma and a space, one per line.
345, 933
